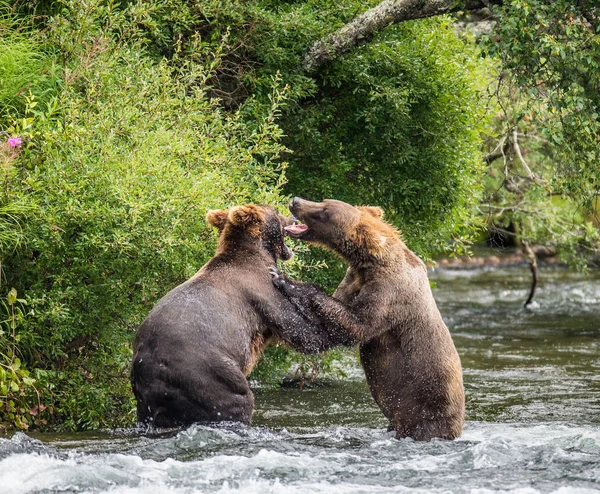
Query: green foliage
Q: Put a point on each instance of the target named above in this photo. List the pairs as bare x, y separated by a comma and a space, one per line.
123, 166
24, 68
257, 39
12, 209
25, 65
396, 123
16, 382
553, 52
137, 117
280, 362
549, 102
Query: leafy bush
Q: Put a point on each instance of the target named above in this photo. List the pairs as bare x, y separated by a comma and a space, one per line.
553, 50
544, 185
25, 68
397, 124
123, 166
149, 113
26, 64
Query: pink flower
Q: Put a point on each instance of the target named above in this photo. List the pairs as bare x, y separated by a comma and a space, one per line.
14, 142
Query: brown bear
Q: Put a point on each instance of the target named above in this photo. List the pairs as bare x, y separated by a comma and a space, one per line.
385, 304
194, 350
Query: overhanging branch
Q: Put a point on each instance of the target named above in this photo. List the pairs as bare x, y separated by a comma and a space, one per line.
387, 12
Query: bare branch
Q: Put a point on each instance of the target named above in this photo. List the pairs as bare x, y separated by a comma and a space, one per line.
498, 152
502, 209
517, 149
532, 260
533, 136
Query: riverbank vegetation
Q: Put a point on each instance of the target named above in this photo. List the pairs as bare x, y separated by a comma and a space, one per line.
122, 123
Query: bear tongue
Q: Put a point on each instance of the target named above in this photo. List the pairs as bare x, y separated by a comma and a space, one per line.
296, 229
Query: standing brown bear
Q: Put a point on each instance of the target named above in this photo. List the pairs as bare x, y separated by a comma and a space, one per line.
194, 350
385, 304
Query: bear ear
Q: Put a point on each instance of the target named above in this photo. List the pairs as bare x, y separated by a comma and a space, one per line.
374, 211
248, 216
217, 218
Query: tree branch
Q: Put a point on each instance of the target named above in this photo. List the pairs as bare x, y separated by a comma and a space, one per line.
498, 152
591, 14
379, 17
532, 260
517, 149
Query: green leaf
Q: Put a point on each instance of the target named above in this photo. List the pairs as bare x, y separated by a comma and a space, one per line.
28, 381
12, 296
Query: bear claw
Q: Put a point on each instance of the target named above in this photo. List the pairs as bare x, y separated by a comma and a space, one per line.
277, 278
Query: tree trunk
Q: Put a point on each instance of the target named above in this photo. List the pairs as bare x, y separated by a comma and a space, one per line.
387, 12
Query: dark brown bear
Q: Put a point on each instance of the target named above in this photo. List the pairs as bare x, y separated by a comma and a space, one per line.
194, 350
385, 304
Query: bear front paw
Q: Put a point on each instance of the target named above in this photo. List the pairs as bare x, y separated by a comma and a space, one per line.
279, 280
277, 277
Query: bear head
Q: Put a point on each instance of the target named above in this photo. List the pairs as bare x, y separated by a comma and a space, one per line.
251, 227
357, 233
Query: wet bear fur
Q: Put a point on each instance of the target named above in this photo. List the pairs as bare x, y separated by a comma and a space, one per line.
195, 348
386, 305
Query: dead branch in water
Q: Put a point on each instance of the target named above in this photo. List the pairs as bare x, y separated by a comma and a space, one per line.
532, 260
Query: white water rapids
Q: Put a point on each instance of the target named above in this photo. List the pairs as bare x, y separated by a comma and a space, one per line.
532, 379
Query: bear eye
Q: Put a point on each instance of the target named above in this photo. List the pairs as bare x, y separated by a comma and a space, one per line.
322, 215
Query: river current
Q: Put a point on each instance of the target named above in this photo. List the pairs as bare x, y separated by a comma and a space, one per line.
532, 379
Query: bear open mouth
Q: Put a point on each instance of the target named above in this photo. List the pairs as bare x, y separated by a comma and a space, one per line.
296, 230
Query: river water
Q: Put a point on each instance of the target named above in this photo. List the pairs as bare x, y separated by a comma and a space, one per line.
532, 379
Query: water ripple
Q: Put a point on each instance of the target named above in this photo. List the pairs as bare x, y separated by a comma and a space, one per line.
532, 378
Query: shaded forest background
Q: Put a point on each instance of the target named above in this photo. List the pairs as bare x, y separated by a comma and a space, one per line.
123, 122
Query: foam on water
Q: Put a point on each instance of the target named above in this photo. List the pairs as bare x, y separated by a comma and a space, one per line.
513, 457
532, 379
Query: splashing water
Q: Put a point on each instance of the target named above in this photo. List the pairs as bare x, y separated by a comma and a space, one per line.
532, 379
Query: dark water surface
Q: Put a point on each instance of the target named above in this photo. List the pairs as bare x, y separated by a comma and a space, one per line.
533, 417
